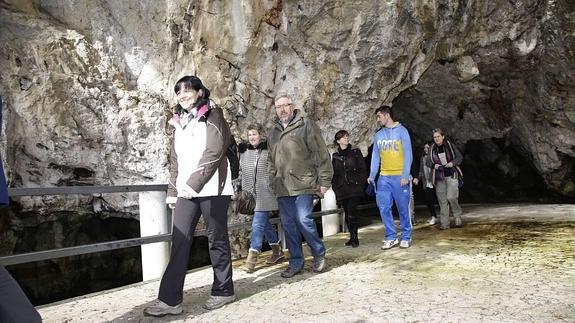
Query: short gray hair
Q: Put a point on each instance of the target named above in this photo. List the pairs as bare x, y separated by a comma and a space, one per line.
282, 95
437, 130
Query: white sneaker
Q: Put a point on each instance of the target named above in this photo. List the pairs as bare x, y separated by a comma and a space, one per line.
319, 264
405, 244
433, 220
458, 222
388, 244
159, 308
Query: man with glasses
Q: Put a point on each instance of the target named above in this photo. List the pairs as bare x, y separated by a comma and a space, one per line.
299, 167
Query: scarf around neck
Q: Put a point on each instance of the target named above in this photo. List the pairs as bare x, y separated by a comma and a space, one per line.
440, 173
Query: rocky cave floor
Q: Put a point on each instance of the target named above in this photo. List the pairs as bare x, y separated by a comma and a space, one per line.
512, 263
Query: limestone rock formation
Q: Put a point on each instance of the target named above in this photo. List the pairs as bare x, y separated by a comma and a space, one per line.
88, 84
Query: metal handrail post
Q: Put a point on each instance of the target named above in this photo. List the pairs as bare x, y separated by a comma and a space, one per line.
282, 235
153, 221
330, 222
344, 227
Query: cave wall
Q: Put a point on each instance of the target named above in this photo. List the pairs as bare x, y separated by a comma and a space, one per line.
510, 106
88, 88
88, 85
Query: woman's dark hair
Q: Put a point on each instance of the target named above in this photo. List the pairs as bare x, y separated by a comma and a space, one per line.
428, 145
194, 83
338, 135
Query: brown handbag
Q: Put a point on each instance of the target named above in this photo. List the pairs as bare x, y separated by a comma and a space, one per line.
245, 200
245, 203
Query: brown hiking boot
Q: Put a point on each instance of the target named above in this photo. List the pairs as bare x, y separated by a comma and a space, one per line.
251, 261
277, 254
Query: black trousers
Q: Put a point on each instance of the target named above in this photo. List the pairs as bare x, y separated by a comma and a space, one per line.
14, 305
430, 200
186, 217
351, 218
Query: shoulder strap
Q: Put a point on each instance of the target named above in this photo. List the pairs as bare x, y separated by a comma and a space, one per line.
232, 154
256, 172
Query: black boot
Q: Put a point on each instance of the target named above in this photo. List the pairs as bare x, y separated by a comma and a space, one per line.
354, 239
350, 241
347, 224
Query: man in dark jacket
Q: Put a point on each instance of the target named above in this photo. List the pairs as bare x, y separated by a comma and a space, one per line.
299, 167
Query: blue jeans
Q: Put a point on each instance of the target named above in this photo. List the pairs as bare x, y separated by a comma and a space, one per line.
389, 190
261, 227
295, 213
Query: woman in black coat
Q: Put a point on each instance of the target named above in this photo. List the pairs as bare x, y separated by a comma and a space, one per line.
349, 178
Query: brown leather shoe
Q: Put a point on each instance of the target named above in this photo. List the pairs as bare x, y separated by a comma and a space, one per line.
277, 255
251, 261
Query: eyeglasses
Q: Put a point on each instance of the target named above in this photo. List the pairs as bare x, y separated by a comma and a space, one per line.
281, 106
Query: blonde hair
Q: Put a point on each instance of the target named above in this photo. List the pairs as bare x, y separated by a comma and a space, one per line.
257, 127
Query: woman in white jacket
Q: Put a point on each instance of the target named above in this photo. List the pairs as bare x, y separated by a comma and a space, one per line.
200, 184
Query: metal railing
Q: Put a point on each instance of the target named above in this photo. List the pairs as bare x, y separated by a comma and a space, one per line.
83, 190
109, 245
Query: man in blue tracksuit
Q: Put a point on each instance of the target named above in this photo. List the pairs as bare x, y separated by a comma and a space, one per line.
392, 157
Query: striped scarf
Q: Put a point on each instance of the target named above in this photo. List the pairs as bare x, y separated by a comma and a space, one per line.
438, 174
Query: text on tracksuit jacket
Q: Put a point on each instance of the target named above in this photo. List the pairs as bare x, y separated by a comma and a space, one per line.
392, 154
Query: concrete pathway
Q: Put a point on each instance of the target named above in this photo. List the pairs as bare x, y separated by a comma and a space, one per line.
509, 263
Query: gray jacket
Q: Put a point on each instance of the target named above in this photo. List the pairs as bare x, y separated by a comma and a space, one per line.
257, 181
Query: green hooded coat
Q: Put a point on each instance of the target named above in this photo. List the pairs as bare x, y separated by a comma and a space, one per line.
299, 162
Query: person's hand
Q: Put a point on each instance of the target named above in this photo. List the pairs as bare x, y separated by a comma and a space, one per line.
415, 181
237, 184
370, 181
171, 201
437, 166
404, 181
449, 165
187, 192
323, 189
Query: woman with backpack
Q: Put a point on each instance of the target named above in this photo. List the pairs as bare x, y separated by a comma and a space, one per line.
200, 185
